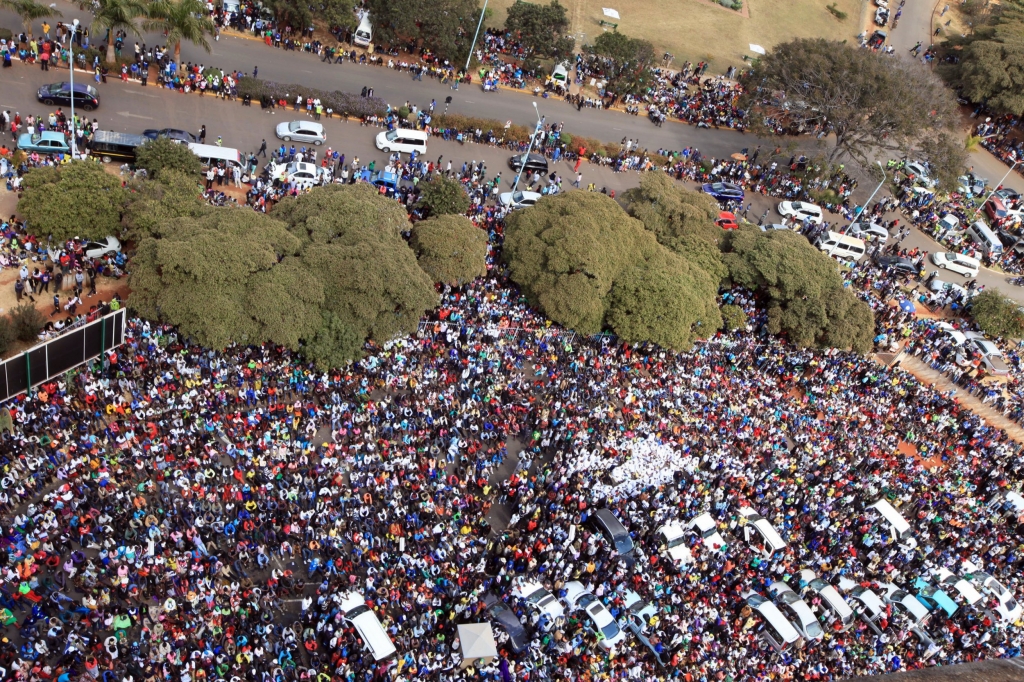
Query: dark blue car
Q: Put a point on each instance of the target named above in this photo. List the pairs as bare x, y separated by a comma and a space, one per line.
723, 191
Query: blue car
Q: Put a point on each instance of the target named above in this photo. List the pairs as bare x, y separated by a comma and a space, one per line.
47, 142
385, 179
934, 598
723, 191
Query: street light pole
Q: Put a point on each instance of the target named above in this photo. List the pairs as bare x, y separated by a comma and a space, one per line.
996, 188
71, 61
868, 203
522, 165
476, 35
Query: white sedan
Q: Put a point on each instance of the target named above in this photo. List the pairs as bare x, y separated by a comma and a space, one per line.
872, 231
800, 211
938, 286
302, 175
302, 131
599, 619
519, 199
104, 247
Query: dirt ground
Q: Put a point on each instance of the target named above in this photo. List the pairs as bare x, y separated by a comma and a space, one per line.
673, 26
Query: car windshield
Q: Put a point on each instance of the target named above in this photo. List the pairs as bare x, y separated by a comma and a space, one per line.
709, 532
678, 541
296, 125
610, 630
517, 197
586, 600
391, 135
818, 584
357, 611
756, 600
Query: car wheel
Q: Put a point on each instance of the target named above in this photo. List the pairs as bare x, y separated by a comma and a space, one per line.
286, 138
48, 102
105, 158
386, 150
318, 143
88, 107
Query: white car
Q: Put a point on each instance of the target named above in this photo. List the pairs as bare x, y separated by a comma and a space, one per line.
707, 528
599, 619
938, 286
303, 175
302, 131
873, 232
538, 599
771, 227
800, 211
672, 544
803, 618
960, 264
991, 356
519, 199
104, 247
1005, 606
920, 172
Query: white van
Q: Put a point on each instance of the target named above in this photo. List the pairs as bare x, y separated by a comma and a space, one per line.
212, 155
777, 629
760, 534
957, 262
841, 245
402, 140
364, 32
982, 235
900, 528
672, 544
375, 637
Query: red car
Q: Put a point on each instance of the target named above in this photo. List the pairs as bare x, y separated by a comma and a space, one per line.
727, 221
996, 210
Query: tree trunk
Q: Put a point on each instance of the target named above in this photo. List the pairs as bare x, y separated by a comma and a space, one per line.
111, 57
177, 54
27, 25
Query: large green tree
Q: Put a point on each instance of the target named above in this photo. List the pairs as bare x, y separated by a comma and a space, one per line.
806, 297
681, 219
443, 26
450, 248
541, 29
443, 196
869, 102
29, 11
111, 16
998, 315
181, 20
629, 62
989, 65
152, 205
165, 155
77, 199
583, 261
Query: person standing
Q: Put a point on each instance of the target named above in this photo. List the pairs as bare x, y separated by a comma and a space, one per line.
263, 149
202, 135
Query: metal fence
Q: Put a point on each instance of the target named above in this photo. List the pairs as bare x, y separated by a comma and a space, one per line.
52, 358
548, 334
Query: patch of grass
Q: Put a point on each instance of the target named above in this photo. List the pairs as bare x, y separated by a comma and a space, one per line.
695, 30
836, 12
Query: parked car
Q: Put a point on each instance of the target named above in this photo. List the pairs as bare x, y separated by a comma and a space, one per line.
838, 614
775, 627
385, 179
868, 605
996, 209
958, 263
46, 142
86, 96
534, 162
962, 589
301, 174
727, 220
613, 531
672, 545
934, 597
991, 357
801, 616
898, 263
309, 132
759, 533
921, 173
506, 619
877, 39
769, 227
938, 286
872, 231
102, 247
519, 199
882, 16
175, 134
1007, 194
1003, 604
707, 529
801, 211
598, 620
636, 617
971, 185
914, 616
538, 599
723, 191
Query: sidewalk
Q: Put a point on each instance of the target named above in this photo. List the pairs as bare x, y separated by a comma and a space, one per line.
940, 382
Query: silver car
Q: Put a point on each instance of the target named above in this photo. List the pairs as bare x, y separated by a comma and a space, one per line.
302, 131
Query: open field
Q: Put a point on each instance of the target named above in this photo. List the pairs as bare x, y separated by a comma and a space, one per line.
695, 30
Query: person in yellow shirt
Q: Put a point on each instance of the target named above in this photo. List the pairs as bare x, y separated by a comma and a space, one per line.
46, 30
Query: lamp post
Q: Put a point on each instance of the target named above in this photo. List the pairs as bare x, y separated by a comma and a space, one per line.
476, 35
71, 62
522, 165
868, 203
996, 189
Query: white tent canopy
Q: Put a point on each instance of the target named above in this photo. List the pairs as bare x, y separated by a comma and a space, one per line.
476, 642
610, 13
757, 48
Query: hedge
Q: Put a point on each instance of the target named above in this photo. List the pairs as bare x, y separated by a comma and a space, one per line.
343, 103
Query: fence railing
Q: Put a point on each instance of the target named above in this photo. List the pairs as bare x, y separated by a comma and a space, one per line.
53, 357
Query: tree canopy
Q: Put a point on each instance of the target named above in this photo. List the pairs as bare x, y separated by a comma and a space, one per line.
152, 205
443, 196
627, 61
807, 300
443, 26
315, 275
450, 248
869, 101
164, 154
990, 67
998, 314
541, 29
77, 199
583, 261
680, 219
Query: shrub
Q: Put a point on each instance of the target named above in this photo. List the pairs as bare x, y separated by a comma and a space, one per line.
836, 12
163, 154
26, 322
6, 33
7, 334
343, 103
733, 317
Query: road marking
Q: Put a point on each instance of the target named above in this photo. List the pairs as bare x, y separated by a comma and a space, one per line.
1016, 662
469, 101
128, 115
